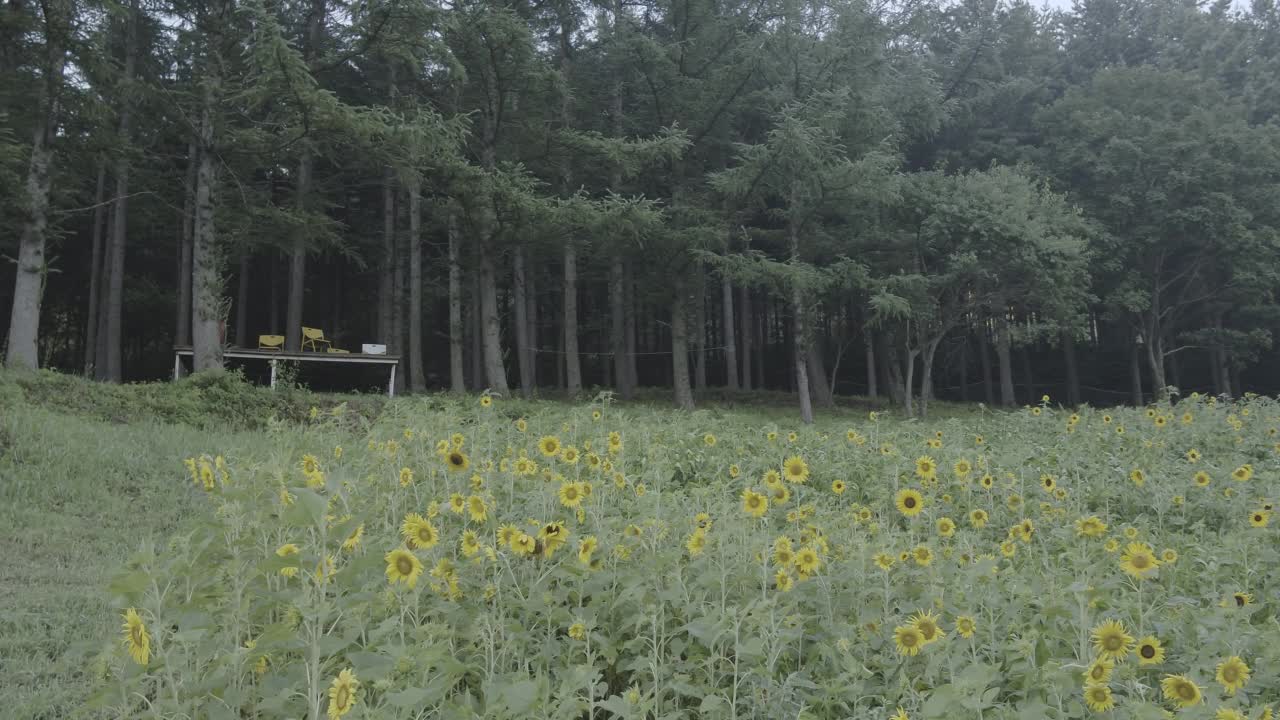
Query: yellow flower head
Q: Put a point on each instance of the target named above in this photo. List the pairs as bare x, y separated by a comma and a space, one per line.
909, 502
136, 637
1181, 691
403, 566
1232, 674
795, 469
342, 694
1111, 641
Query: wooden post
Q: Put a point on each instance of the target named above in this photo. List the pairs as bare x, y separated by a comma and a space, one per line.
177, 366
391, 386
273, 373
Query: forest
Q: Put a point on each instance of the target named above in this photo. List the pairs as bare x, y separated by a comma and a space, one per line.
970, 200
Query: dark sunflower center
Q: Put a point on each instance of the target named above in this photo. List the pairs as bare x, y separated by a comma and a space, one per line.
909, 639
404, 565
1230, 674
455, 458
909, 502
1098, 694
1186, 692
1098, 672
1113, 643
1141, 562
1148, 651
344, 697
1239, 601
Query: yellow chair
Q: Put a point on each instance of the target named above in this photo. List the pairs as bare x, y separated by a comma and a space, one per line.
271, 342
337, 351
314, 337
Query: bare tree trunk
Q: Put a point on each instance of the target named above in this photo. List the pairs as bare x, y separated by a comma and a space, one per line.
183, 331
28, 288
1073, 372
908, 382
302, 196
818, 385
730, 341
242, 302
572, 364
1003, 355
386, 264
531, 279
799, 333
700, 330
120, 229
618, 328
100, 346
926, 378
746, 333
491, 326
1135, 376
964, 369
417, 374
984, 353
520, 301
399, 283
207, 307
633, 371
95, 272
680, 347
457, 380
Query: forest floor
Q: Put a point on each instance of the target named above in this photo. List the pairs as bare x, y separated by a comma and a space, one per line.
91, 473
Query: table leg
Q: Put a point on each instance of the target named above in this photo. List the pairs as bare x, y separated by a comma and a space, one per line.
391, 386
273, 374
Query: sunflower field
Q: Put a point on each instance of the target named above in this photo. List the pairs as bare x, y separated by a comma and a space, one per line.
479, 558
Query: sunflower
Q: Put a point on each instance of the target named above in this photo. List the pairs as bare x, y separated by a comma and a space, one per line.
1008, 549
783, 581
838, 487
136, 637
807, 561
1202, 479
1180, 690
696, 542
1259, 518
456, 460
1160, 421
753, 503
703, 521
552, 535
884, 561
946, 527
922, 555
1099, 671
342, 693
1232, 674
1193, 455
418, 533
780, 494
978, 518
457, 503
734, 471
709, 440
549, 445
1098, 698
1111, 545
909, 502
1242, 473
795, 469
570, 495
469, 544
928, 626
1169, 556
926, 467
792, 436
569, 455
403, 566
486, 401
524, 544
507, 535
901, 714
1090, 526
908, 640
477, 509
966, 626
1228, 714
1111, 641
1138, 477
962, 468
353, 540
1138, 560
987, 481
1150, 651
1048, 483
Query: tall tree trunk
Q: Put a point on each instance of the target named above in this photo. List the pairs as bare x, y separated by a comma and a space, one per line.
491, 326
618, 327
984, 354
908, 382
890, 363
242, 302
700, 329
572, 363
100, 346
417, 373
680, 347
28, 288
1032, 398
120, 230
95, 272
399, 285
1135, 375
302, 196
730, 340
1005, 359
799, 333
520, 301
386, 264
633, 370
457, 378
760, 341
746, 333
531, 282
926, 377
206, 257
964, 369
1073, 371
821, 390
183, 331
868, 339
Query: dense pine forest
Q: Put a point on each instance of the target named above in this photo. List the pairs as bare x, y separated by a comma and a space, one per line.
974, 200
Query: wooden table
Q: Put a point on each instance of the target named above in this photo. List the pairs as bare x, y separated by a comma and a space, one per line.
274, 356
